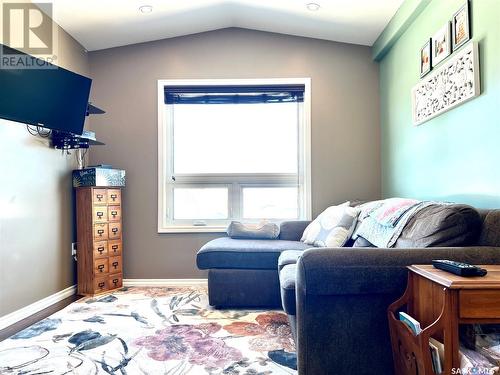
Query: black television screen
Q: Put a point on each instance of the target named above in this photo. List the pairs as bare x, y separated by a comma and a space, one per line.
54, 98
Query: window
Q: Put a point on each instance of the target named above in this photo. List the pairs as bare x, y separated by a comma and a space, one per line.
232, 150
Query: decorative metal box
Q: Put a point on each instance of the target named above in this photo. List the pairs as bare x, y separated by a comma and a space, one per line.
98, 177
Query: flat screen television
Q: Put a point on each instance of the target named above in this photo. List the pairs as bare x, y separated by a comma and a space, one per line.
53, 98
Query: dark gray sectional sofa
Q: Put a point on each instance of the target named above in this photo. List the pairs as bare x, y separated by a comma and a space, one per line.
336, 298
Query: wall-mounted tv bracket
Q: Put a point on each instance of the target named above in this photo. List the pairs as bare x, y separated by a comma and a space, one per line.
68, 141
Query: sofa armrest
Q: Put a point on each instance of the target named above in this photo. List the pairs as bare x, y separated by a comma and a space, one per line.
288, 257
341, 271
293, 230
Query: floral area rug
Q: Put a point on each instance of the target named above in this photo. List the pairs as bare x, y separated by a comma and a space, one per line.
171, 331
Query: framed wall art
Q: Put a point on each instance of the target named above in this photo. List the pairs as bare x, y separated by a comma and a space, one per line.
425, 58
460, 25
441, 44
456, 81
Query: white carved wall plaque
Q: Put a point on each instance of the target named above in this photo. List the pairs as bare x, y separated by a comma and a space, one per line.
453, 83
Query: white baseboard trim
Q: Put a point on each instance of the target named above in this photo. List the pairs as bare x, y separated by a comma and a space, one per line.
165, 282
18, 315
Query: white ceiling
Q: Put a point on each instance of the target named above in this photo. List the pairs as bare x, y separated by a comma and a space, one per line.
99, 24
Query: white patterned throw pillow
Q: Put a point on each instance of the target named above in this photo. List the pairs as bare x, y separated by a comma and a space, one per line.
332, 228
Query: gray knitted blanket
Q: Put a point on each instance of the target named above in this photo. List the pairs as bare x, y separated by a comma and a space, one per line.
386, 236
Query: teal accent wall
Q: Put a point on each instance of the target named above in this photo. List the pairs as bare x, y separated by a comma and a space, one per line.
455, 156
405, 15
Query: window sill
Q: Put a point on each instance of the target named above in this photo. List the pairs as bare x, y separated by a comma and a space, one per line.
193, 229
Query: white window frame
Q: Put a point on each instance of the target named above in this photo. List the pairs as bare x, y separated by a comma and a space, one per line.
165, 157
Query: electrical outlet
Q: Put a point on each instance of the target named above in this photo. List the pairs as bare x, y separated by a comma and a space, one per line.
73, 250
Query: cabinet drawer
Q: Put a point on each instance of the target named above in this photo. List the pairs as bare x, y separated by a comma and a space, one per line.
100, 284
100, 214
482, 304
101, 266
100, 232
115, 230
114, 213
114, 196
99, 196
115, 264
100, 249
115, 247
115, 281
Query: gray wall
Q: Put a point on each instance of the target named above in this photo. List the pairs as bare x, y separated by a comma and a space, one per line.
345, 124
36, 219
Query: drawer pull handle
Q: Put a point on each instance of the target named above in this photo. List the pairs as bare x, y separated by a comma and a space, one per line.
113, 197
100, 232
114, 230
99, 197
114, 213
115, 264
100, 267
115, 281
101, 285
100, 214
100, 249
114, 247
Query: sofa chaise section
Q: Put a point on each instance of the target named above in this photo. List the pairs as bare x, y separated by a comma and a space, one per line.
244, 273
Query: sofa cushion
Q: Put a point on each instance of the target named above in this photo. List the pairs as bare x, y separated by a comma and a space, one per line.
293, 230
332, 228
244, 254
266, 231
490, 233
289, 257
287, 288
441, 225
362, 242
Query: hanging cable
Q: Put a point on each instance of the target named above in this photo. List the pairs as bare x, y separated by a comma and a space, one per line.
38, 131
32, 130
44, 133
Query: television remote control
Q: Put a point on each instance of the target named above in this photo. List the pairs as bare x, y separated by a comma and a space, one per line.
458, 268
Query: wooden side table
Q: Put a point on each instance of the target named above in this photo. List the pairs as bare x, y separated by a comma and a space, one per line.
440, 301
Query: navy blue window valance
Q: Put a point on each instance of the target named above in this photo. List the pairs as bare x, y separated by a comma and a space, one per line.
234, 94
